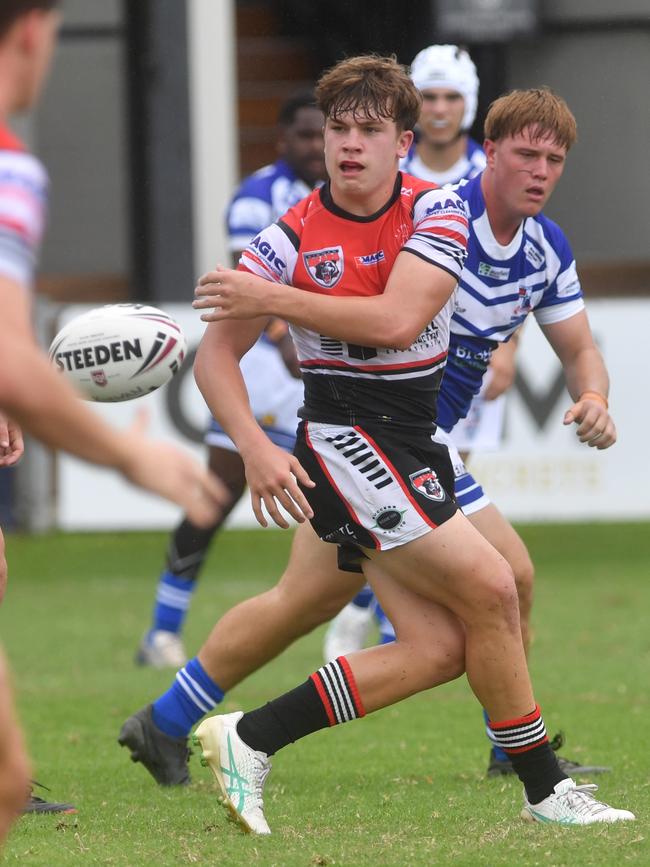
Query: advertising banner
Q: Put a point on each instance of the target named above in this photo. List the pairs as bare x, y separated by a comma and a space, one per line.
541, 472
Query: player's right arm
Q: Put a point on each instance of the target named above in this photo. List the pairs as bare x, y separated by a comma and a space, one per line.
422, 279
272, 474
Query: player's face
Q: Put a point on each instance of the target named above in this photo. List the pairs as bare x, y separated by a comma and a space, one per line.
36, 38
301, 145
362, 156
441, 115
525, 170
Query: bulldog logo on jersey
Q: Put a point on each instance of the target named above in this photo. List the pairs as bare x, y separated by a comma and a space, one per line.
426, 482
325, 267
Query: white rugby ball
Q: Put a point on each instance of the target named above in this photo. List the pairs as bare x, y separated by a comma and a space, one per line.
119, 351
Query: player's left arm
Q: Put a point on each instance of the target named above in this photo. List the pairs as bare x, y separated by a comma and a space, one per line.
415, 293
586, 378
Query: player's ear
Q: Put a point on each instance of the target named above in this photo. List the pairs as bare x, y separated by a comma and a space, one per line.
404, 142
489, 148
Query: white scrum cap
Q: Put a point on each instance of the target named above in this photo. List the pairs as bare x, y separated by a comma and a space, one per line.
451, 67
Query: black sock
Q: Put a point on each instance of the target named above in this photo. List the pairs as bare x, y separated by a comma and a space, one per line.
525, 742
328, 697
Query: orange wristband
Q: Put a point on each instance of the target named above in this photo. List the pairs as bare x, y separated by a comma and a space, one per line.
594, 395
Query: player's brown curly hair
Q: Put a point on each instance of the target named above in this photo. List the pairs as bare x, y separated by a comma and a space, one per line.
370, 86
538, 109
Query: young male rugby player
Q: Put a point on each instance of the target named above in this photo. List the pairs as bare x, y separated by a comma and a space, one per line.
32, 394
365, 270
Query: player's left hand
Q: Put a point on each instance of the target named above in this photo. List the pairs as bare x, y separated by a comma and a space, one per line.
595, 425
12, 446
228, 294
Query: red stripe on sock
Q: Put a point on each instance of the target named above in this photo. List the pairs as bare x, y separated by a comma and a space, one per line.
525, 749
352, 684
519, 721
324, 698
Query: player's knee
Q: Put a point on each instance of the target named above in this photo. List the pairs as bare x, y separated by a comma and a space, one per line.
494, 593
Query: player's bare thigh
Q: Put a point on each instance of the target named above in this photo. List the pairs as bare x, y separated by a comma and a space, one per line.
453, 565
429, 648
312, 580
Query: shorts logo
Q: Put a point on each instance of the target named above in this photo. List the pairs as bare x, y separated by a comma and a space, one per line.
388, 518
99, 377
325, 267
426, 482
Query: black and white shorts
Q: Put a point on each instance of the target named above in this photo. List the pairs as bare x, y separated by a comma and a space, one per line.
376, 487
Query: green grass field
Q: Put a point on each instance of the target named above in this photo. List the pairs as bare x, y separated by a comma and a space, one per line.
406, 786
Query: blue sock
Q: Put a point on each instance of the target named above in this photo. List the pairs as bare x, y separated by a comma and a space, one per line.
173, 598
386, 630
499, 754
192, 695
364, 598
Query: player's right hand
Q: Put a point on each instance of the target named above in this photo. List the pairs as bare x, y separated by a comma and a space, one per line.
274, 477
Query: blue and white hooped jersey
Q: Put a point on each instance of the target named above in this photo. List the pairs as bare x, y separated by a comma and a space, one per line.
499, 286
468, 166
261, 199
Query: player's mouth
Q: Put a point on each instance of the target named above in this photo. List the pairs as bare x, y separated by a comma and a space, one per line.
350, 168
536, 193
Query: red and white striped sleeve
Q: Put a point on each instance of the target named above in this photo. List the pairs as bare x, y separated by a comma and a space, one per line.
440, 230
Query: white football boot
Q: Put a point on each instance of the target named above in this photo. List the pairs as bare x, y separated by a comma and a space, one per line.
161, 649
571, 804
348, 632
239, 770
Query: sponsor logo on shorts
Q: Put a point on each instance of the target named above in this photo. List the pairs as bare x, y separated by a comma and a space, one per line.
388, 518
426, 482
325, 267
346, 532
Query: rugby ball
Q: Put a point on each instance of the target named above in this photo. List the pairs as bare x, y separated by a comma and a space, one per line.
119, 351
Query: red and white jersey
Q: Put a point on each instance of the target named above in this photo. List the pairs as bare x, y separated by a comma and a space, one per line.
320, 248
23, 199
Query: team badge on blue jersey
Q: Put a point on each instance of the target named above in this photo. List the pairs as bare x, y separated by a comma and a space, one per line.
525, 304
425, 482
325, 267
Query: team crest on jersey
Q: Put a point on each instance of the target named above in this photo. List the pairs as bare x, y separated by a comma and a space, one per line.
99, 377
525, 301
426, 482
325, 267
